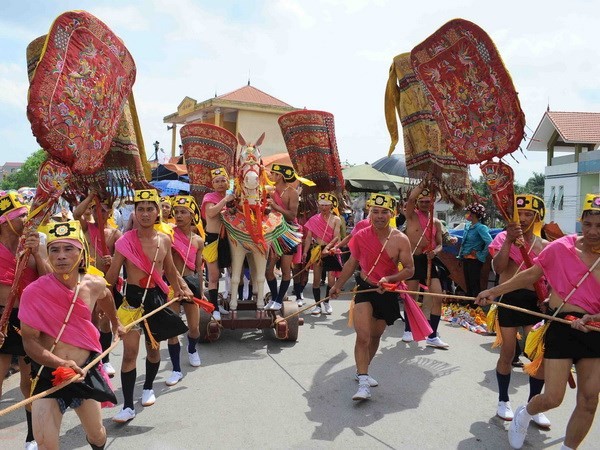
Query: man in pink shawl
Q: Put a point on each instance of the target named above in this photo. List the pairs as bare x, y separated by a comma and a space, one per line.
93, 217
322, 232
60, 338
13, 214
146, 255
187, 256
426, 242
285, 200
377, 249
507, 261
571, 266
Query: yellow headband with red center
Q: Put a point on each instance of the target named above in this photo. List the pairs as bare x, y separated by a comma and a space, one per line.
188, 202
591, 203
290, 175
219, 172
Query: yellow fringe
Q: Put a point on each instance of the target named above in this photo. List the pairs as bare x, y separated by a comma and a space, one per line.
491, 318
534, 349
155, 345
533, 367
519, 336
498, 340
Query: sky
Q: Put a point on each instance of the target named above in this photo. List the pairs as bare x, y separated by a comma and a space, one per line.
331, 55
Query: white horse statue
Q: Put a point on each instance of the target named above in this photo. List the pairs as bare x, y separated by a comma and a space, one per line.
253, 230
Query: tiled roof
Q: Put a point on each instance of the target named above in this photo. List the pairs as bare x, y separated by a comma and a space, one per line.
577, 127
249, 94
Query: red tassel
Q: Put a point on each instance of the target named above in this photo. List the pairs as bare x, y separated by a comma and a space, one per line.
205, 305
62, 374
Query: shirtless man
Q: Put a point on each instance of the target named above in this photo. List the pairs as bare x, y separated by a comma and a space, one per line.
507, 261
571, 266
100, 257
323, 230
187, 256
284, 200
216, 250
377, 249
52, 345
12, 218
146, 255
417, 219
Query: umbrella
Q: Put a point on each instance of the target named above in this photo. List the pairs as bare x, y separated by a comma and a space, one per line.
365, 178
393, 165
171, 187
279, 158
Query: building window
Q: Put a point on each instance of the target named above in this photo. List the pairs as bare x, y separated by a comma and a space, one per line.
561, 196
552, 201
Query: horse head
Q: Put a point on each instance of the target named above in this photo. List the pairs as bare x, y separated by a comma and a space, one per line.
249, 172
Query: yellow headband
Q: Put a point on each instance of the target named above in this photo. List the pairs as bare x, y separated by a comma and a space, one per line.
529, 202
219, 172
383, 201
591, 203
146, 195
188, 202
11, 206
290, 175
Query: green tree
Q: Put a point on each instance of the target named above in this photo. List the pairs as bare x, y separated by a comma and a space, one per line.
535, 185
27, 175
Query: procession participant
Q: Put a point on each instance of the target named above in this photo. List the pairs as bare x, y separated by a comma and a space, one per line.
323, 230
187, 256
571, 267
166, 210
507, 261
377, 249
284, 199
474, 247
216, 251
425, 244
101, 251
59, 336
13, 214
146, 255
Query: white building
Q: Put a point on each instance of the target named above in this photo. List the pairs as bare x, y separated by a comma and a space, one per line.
571, 176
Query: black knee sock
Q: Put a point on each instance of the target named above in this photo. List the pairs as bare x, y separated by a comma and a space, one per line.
283, 287
273, 288
95, 447
327, 289
174, 351
29, 437
535, 387
317, 294
434, 321
105, 341
241, 292
192, 344
503, 382
297, 289
406, 323
151, 371
213, 297
128, 385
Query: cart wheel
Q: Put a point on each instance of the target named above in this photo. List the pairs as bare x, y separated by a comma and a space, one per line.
205, 319
292, 323
214, 331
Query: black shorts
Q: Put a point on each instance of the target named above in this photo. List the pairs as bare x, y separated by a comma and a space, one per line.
13, 343
223, 250
385, 306
561, 341
331, 263
421, 268
523, 298
193, 282
164, 324
94, 386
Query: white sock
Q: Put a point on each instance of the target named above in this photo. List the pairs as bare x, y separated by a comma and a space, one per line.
564, 447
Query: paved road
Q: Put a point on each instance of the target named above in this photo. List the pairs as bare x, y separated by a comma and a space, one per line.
255, 392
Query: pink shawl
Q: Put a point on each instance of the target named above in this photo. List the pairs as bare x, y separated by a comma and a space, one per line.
319, 228
96, 240
564, 269
183, 247
8, 264
365, 247
44, 306
515, 253
211, 197
360, 226
429, 233
130, 247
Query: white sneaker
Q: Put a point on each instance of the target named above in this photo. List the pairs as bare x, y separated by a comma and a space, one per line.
194, 359
275, 306
541, 420
436, 342
316, 310
372, 381
363, 393
505, 411
31, 445
216, 315
407, 336
171, 381
518, 428
123, 416
326, 308
109, 369
223, 311
148, 398
299, 302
